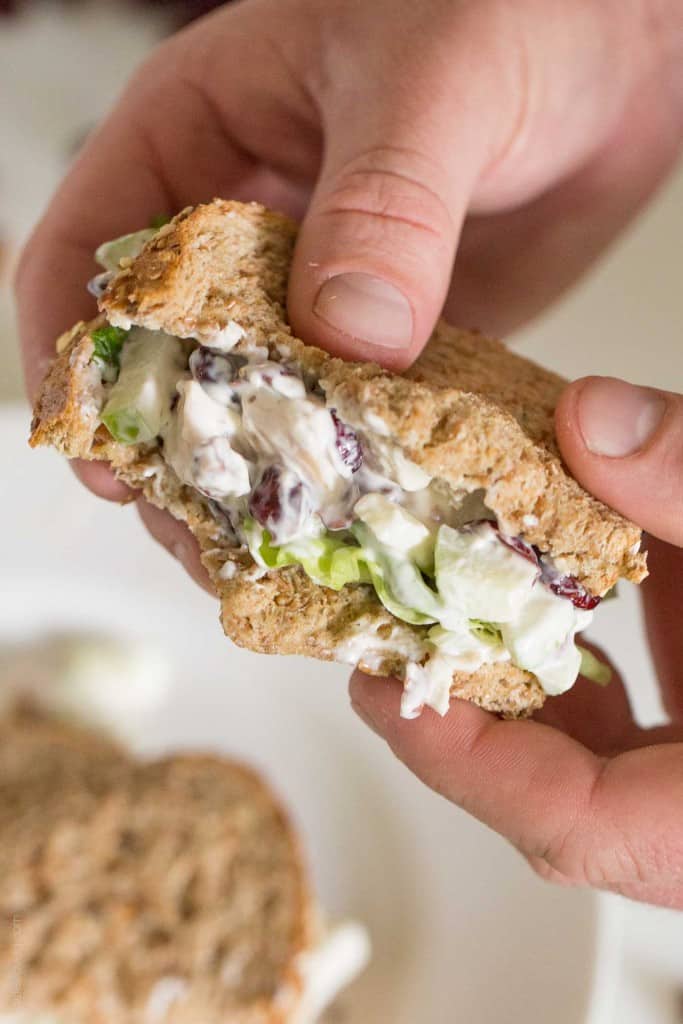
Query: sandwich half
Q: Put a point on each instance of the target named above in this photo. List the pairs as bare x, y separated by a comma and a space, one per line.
169, 892
420, 525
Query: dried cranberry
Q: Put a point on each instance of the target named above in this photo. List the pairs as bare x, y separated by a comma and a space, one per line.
569, 586
295, 495
520, 546
211, 367
265, 502
348, 445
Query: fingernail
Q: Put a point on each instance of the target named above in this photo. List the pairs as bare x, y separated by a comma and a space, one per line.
616, 418
364, 717
367, 308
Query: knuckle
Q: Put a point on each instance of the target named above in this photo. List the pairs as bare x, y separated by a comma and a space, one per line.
567, 857
549, 874
384, 186
605, 862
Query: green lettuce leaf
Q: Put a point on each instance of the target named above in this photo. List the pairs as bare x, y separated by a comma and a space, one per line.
127, 426
109, 254
329, 561
594, 669
159, 221
399, 584
108, 342
486, 631
391, 602
335, 562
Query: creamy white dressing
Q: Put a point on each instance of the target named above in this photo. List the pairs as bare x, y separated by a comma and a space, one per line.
406, 473
228, 570
479, 577
298, 432
365, 646
198, 444
395, 527
223, 340
450, 651
488, 581
387, 459
541, 638
139, 404
245, 432
119, 320
164, 993
96, 681
437, 504
227, 430
429, 685
341, 955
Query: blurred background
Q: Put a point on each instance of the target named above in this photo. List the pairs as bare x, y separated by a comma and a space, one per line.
61, 66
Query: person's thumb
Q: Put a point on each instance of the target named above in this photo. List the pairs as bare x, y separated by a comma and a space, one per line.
495, 104
375, 253
624, 444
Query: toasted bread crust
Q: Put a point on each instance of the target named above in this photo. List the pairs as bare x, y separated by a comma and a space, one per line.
469, 412
121, 874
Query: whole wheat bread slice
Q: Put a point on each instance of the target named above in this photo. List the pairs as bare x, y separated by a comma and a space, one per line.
470, 412
136, 893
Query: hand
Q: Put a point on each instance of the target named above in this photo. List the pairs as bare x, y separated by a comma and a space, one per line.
582, 792
521, 135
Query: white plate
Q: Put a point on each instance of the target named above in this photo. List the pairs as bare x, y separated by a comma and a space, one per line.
462, 931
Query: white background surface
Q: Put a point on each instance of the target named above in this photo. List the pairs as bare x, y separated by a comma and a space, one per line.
458, 921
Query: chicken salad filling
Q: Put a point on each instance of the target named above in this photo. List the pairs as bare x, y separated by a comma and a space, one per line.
291, 480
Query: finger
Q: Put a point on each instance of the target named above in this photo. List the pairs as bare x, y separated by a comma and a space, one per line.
134, 168
118, 181
625, 445
599, 717
528, 256
99, 478
178, 541
662, 896
662, 596
656, 895
431, 132
605, 823
524, 779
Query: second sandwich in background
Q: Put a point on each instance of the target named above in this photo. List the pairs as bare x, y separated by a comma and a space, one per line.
166, 892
